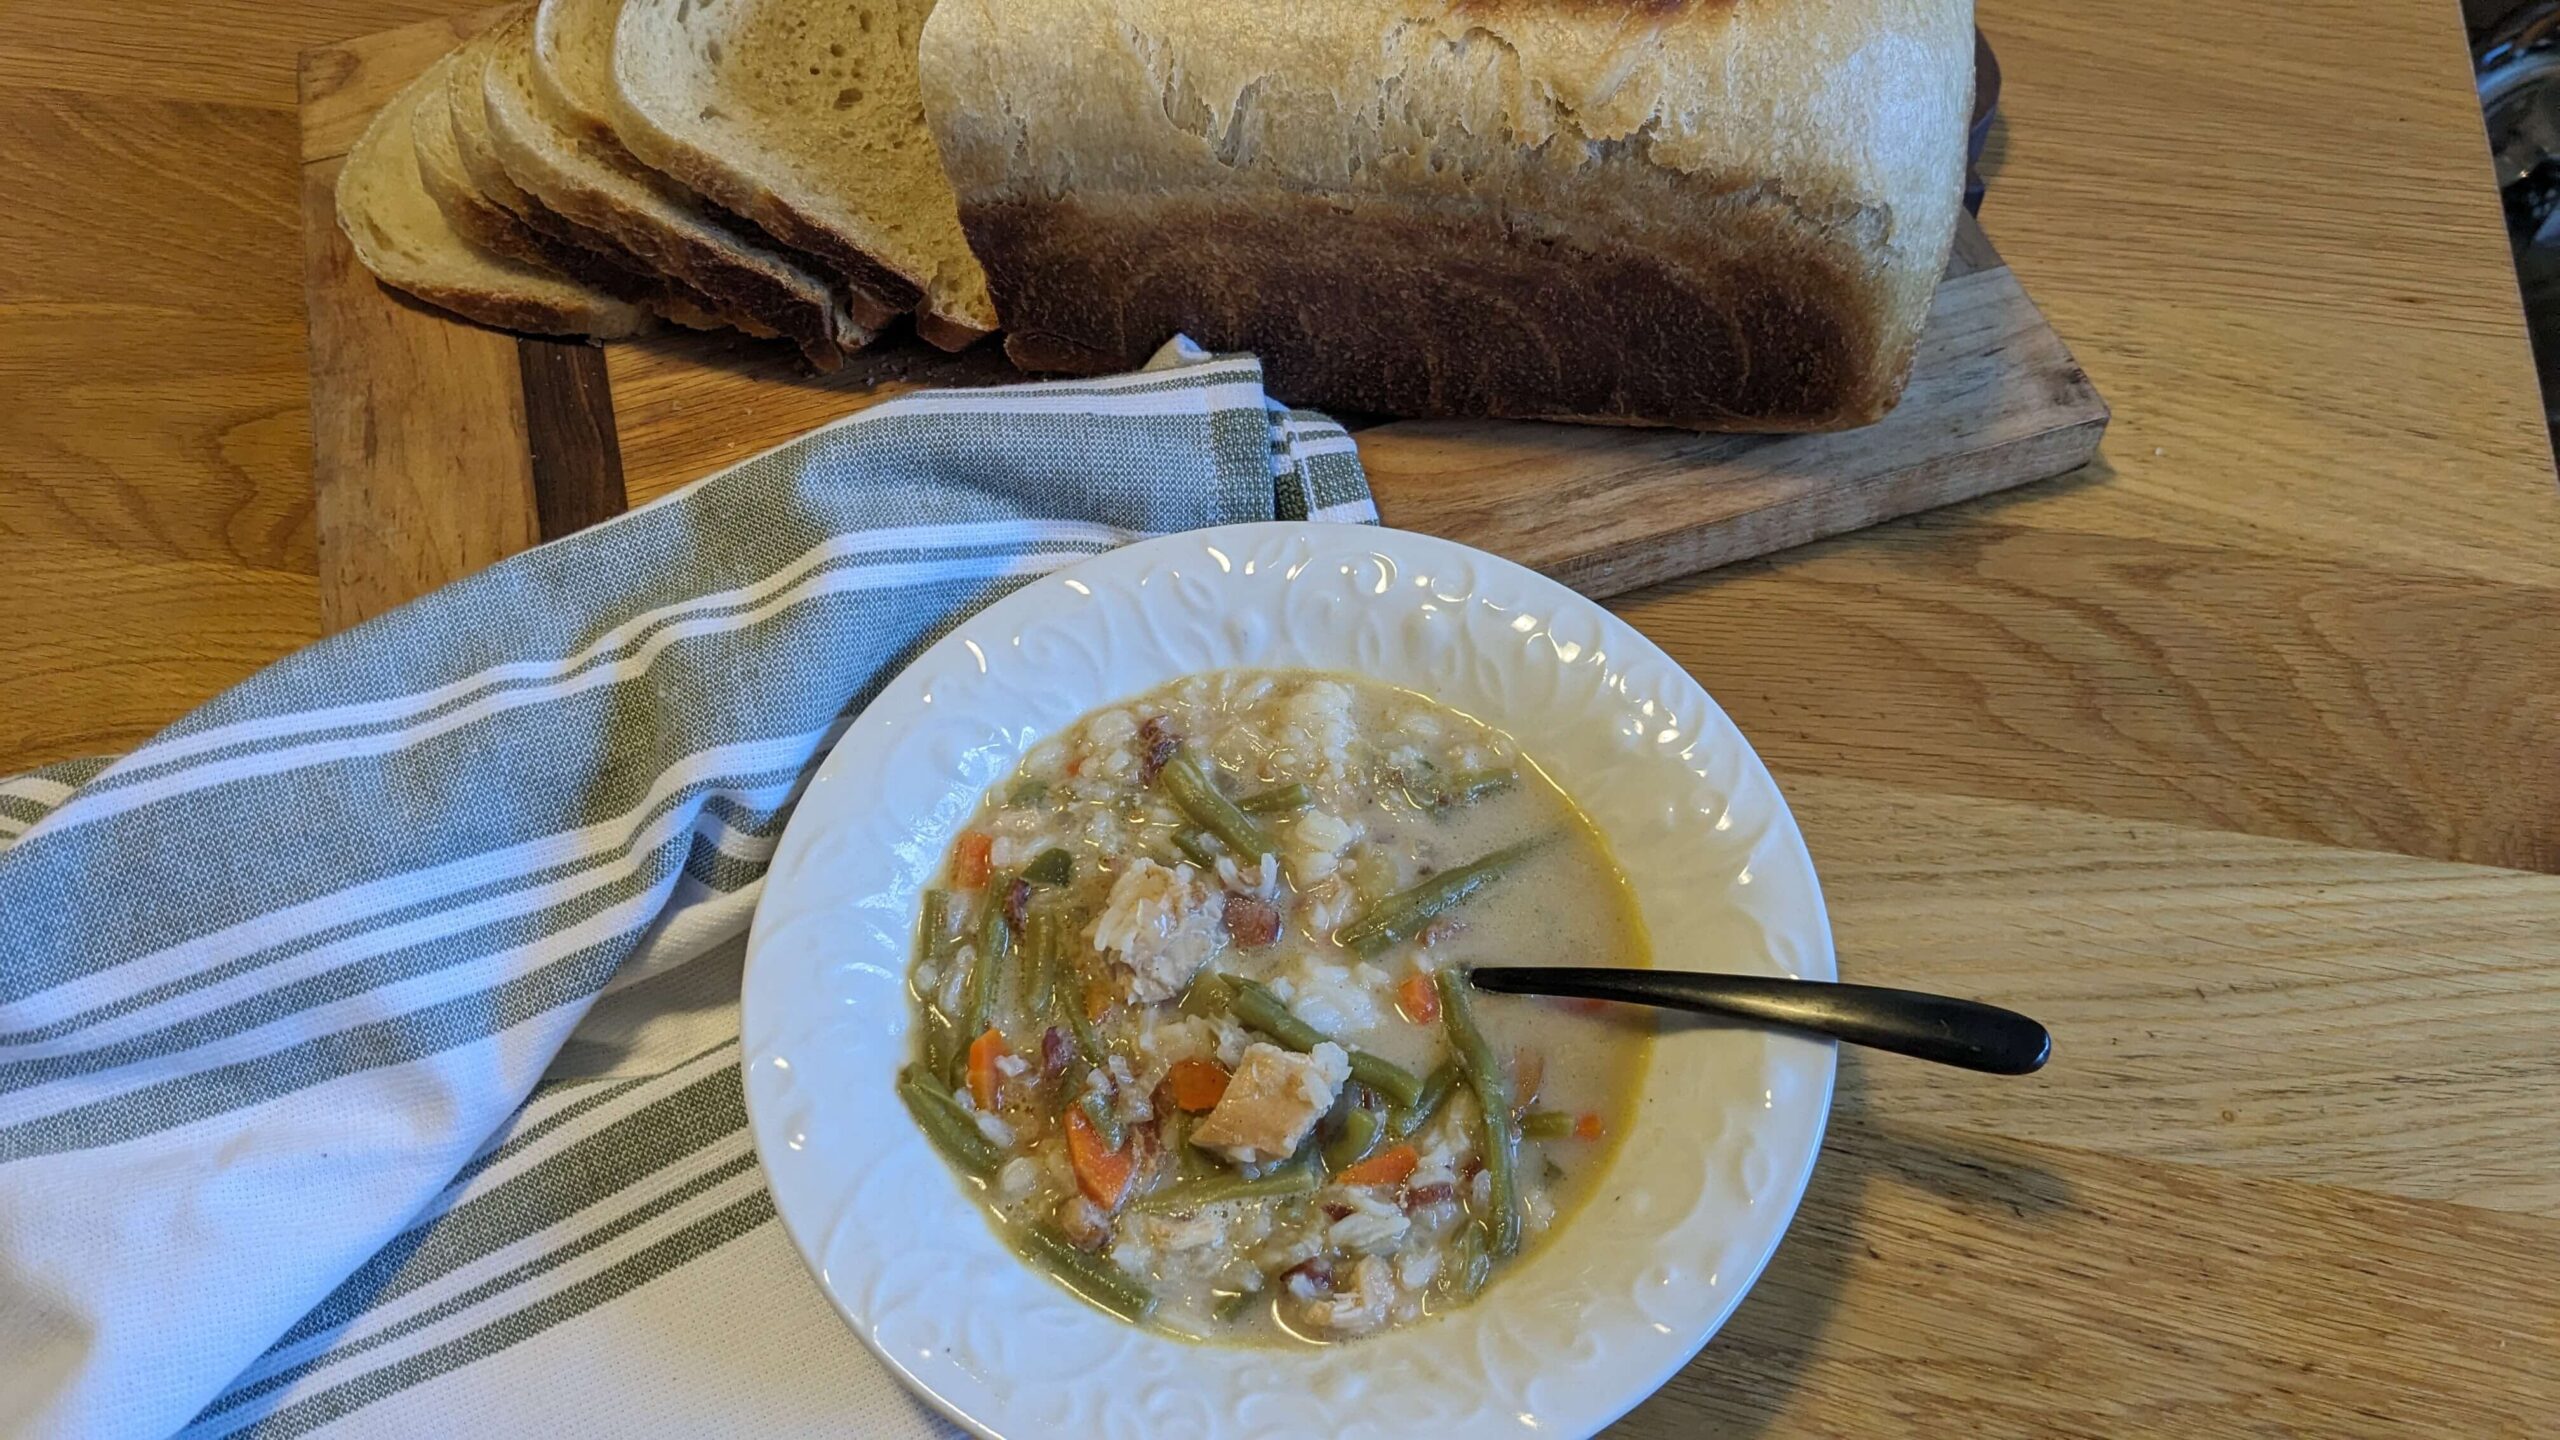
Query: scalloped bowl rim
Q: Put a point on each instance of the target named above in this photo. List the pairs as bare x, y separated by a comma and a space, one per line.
1595, 1319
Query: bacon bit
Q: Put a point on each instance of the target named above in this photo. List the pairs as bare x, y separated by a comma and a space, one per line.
1528, 1072
1587, 1127
1388, 1167
1102, 1173
1335, 1210
1056, 1048
1196, 1085
1317, 1272
1441, 930
1252, 922
1418, 1000
969, 863
1157, 742
1421, 1195
983, 1052
1468, 1172
1017, 904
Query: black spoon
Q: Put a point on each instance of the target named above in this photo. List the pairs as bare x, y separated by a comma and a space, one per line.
1964, 1033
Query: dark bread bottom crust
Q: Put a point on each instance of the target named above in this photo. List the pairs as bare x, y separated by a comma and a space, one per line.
1754, 322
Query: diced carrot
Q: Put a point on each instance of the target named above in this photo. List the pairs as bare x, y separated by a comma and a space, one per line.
1197, 1085
970, 863
1102, 1173
1587, 1127
1528, 1072
1418, 998
1388, 1167
983, 1053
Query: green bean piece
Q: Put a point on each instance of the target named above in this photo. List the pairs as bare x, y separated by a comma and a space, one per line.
986, 978
1409, 1119
1258, 1009
1052, 866
1401, 917
1469, 786
1231, 1306
1469, 1264
1298, 1178
935, 927
1088, 1040
1292, 796
1359, 1135
1189, 1160
937, 1041
1501, 1135
1213, 812
1468, 1049
1207, 994
1261, 1010
952, 1130
933, 931
995, 937
1039, 960
1546, 1125
1098, 1110
1091, 1276
1386, 1077
1199, 846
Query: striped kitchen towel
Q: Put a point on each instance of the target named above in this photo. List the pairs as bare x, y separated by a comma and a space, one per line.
368, 1039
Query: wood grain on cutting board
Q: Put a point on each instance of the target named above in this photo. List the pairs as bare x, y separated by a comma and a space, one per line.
1995, 401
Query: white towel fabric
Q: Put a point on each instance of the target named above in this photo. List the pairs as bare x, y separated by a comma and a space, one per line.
368, 1040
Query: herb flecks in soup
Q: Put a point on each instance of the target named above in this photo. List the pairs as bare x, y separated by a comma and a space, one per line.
1191, 1016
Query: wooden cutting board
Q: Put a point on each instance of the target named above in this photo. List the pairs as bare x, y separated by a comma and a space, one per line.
439, 447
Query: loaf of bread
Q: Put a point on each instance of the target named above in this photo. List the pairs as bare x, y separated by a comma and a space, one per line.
1722, 214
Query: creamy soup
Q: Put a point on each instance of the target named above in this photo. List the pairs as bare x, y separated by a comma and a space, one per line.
1193, 1021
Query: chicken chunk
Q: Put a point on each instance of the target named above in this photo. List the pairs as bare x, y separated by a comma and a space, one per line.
1358, 1307
1160, 925
1275, 1098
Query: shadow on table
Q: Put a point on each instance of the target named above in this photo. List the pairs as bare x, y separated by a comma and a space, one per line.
1747, 1378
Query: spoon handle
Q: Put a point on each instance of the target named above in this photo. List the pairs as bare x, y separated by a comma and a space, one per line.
1964, 1033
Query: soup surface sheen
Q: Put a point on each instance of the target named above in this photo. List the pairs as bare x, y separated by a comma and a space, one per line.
1186, 971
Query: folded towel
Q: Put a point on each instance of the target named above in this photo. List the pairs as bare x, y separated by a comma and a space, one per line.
368, 1039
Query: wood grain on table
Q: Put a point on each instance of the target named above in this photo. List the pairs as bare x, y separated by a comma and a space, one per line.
2231, 756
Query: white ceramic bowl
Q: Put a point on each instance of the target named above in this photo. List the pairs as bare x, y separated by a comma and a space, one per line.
1597, 1317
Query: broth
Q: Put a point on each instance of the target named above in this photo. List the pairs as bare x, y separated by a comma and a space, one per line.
1182, 1075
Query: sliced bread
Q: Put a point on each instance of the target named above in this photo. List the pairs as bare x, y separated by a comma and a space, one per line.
486, 223
403, 237
464, 178
805, 116
595, 183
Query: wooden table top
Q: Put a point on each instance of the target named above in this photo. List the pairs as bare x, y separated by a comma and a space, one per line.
2231, 756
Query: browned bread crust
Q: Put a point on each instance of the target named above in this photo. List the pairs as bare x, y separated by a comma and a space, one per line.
1718, 216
